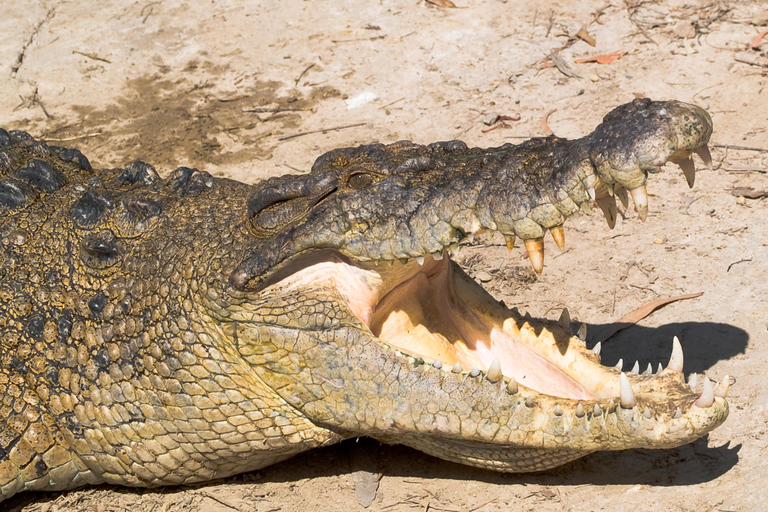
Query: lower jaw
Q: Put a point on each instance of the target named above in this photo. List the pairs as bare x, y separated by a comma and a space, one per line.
440, 314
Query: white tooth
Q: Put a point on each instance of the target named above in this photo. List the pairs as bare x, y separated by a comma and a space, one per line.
438, 364
678, 414
597, 348
647, 414
512, 386
659, 369
529, 402
649, 370
707, 395
582, 332
620, 365
579, 411
722, 388
565, 320
470, 238
437, 256
591, 192
628, 399
475, 372
692, 381
420, 259
706, 157
596, 411
456, 368
676, 359
494, 371
686, 164
640, 198
636, 368
558, 410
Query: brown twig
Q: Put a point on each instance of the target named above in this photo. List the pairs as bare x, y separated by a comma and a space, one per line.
324, 130
92, 56
737, 262
304, 72
741, 148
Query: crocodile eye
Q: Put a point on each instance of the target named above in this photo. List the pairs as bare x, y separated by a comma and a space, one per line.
360, 181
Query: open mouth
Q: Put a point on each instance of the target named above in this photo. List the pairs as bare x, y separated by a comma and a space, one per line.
430, 310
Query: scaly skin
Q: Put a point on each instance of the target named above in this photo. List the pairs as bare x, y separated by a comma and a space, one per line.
158, 332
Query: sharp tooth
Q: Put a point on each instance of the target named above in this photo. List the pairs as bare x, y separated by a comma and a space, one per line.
659, 369
722, 388
582, 332
512, 386
678, 414
649, 370
579, 411
558, 234
494, 371
558, 410
706, 157
565, 320
586, 207
535, 248
596, 411
636, 368
437, 256
470, 237
591, 192
676, 359
510, 241
647, 414
621, 193
597, 348
420, 259
475, 372
438, 364
640, 197
686, 164
692, 381
608, 205
628, 399
620, 364
456, 368
529, 402
707, 395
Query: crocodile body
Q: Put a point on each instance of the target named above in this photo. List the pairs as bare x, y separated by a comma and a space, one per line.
168, 331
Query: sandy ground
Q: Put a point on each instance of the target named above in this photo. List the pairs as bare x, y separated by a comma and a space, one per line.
253, 89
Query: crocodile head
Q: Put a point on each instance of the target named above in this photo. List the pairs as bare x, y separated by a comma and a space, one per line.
349, 306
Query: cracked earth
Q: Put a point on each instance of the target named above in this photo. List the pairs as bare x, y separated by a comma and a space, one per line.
254, 89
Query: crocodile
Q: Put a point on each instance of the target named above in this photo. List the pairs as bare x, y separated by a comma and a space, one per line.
160, 331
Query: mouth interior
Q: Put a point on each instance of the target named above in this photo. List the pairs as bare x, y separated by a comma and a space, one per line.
435, 311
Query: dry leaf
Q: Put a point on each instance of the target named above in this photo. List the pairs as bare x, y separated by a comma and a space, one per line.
635, 316
545, 124
749, 192
443, 3
755, 44
602, 59
584, 36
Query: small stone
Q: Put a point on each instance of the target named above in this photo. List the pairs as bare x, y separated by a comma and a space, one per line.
594, 78
741, 200
684, 29
483, 276
490, 118
659, 241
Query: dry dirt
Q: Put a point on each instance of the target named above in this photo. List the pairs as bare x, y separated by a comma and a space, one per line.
223, 85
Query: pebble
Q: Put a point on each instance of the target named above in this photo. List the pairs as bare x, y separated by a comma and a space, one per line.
483, 276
